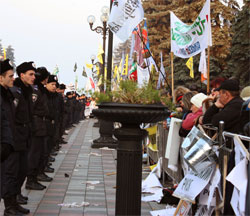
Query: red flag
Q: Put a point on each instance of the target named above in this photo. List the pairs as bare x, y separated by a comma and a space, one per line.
91, 82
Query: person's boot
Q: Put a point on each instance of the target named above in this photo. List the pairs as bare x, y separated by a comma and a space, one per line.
10, 207
43, 177
24, 197
32, 184
49, 169
22, 209
51, 159
21, 200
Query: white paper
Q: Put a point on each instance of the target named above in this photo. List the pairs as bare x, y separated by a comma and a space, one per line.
193, 183
143, 75
155, 197
173, 137
74, 204
163, 212
93, 182
204, 211
150, 182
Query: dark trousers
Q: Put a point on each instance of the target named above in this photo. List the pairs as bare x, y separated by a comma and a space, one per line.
13, 174
35, 156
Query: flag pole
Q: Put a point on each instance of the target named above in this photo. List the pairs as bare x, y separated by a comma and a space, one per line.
208, 70
172, 73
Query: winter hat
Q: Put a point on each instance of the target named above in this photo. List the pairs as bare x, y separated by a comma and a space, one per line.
62, 86
25, 66
52, 78
245, 93
230, 85
5, 66
41, 74
198, 99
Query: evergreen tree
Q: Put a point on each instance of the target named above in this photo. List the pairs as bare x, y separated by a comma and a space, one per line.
158, 20
1, 49
10, 54
239, 59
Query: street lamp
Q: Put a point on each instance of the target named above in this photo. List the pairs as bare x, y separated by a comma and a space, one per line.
101, 30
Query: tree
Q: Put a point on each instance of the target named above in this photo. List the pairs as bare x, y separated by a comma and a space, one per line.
10, 54
239, 59
158, 20
1, 49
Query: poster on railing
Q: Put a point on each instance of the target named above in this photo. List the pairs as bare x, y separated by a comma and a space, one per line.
193, 183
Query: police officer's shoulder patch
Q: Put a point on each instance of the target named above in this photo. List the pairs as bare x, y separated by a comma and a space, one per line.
34, 97
35, 87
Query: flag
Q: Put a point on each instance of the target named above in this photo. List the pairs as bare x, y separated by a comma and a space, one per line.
97, 70
91, 82
90, 66
124, 17
125, 67
203, 67
76, 82
143, 76
145, 38
4, 53
133, 72
162, 74
75, 67
189, 40
105, 73
99, 54
99, 81
137, 46
190, 65
56, 70
84, 72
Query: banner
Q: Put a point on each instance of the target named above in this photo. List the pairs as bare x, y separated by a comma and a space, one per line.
152, 138
84, 72
99, 54
124, 17
142, 76
189, 40
162, 75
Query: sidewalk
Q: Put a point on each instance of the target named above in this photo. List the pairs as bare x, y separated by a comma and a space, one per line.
81, 164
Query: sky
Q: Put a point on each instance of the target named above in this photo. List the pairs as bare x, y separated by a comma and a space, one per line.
52, 32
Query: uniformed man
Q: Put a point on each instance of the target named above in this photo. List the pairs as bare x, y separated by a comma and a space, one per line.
16, 166
36, 161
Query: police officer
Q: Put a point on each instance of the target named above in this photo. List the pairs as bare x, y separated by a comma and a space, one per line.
36, 160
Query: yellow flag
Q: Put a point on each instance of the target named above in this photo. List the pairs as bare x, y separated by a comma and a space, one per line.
105, 74
97, 70
115, 72
190, 65
152, 138
99, 54
4, 53
125, 67
90, 66
99, 81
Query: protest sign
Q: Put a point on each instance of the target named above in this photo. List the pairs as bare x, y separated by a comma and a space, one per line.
193, 183
189, 40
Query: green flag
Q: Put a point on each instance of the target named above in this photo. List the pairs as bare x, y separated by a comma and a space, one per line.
84, 72
75, 67
56, 70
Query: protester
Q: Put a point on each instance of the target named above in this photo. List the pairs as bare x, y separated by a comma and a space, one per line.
192, 118
226, 108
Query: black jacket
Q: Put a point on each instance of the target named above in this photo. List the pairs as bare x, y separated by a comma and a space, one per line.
230, 114
6, 123
40, 110
23, 114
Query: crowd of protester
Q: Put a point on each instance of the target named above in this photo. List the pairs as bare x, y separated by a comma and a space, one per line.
227, 103
35, 114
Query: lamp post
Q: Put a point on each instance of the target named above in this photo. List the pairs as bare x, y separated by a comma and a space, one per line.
106, 128
101, 30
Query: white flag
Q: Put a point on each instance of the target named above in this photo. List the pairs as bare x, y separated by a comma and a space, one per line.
143, 76
203, 64
124, 17
161, 75
189, 40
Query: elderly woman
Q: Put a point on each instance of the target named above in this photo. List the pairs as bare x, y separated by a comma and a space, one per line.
196, 112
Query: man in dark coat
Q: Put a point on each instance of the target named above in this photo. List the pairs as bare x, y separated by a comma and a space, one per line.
36, 163
16, 166
228, 109
7, 109
52, 118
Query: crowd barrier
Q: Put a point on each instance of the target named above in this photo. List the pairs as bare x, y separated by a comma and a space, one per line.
222, 138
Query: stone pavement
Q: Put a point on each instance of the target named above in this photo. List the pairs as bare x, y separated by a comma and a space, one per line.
76, 163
